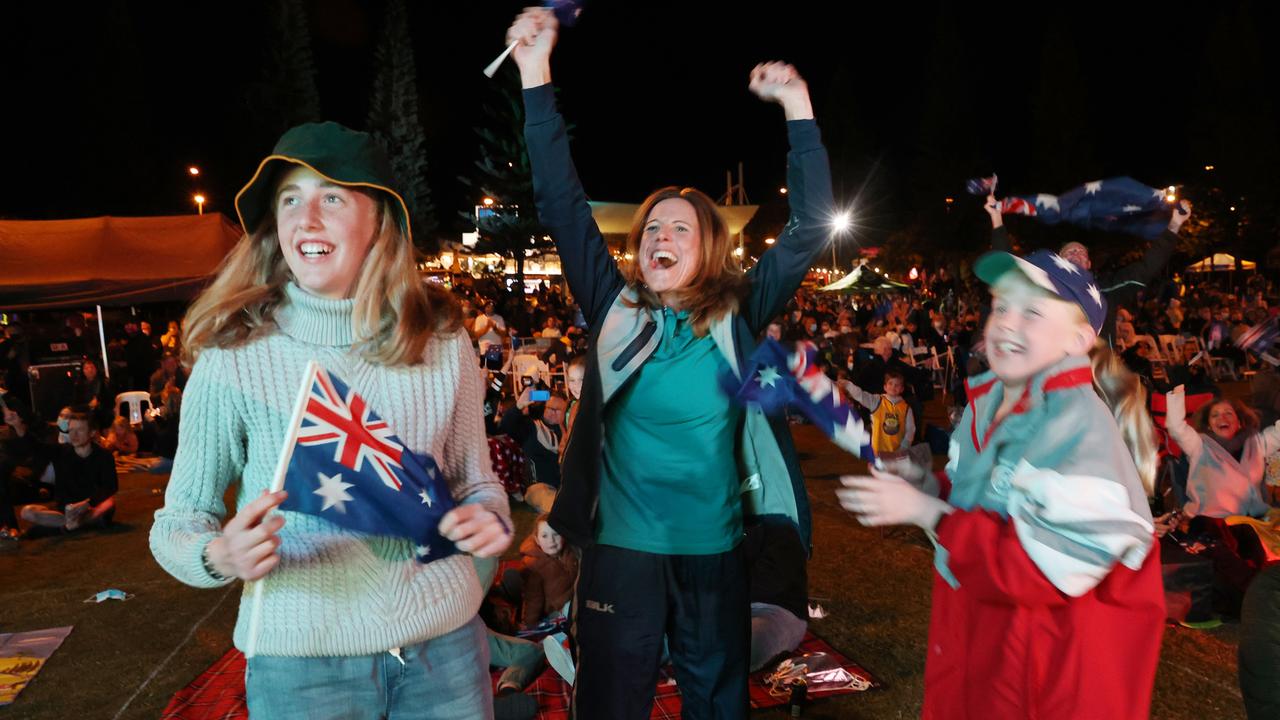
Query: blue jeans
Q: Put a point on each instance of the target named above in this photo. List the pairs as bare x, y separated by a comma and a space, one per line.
445, 678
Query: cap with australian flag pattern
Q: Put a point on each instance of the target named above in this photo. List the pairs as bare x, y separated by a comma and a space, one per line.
1051, 271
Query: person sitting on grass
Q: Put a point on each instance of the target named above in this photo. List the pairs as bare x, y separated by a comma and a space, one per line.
1226, 456
121, 439
85, 483
544, 583
23, 461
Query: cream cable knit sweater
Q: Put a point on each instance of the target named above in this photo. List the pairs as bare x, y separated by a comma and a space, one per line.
335, 592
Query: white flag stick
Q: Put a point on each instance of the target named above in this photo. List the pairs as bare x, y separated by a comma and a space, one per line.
497, 62
102, 340
277, 483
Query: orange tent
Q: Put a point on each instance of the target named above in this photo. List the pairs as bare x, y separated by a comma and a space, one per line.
46, 264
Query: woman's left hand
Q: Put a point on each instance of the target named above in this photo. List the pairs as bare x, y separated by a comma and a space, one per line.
476, 530
779, 82
885, 499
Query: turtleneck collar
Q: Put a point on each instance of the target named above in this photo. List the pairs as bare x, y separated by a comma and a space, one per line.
316, 320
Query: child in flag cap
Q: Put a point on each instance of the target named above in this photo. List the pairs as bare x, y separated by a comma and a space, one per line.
352, 624
1047, 600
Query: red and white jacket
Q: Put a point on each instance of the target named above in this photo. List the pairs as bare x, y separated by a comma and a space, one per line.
1048, 601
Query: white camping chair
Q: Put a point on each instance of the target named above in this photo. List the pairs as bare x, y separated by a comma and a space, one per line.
133, 405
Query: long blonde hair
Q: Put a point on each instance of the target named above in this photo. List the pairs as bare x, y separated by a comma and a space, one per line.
395, 313
720, 283
1120, 388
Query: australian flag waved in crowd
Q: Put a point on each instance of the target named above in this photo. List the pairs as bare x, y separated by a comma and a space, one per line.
348, 467
1121, 205
1261, 338
777, 379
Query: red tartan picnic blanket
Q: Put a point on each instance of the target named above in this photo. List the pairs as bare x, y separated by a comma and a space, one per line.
218, 693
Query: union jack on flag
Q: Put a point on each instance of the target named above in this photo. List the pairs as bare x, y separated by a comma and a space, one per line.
345, 420
347, 466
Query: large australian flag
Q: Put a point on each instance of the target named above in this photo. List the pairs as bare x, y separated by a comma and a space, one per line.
1121, 205
348, 467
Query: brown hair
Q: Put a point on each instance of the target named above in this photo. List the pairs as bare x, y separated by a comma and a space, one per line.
542, 518
1249, 421
720, 282
395, 313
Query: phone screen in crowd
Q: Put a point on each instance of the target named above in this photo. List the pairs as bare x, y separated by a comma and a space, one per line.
526, 381
540, 396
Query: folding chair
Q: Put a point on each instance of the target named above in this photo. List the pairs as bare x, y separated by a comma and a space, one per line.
918, 354
1215, 364
942, 367
1159, 363
528, 365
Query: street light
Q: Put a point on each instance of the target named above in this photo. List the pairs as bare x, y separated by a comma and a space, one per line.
1208, 168
769, 241
782, 190
193, 170
488, 202
199, 203
840, 224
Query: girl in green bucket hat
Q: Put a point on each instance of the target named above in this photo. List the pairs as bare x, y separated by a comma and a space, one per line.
353, 625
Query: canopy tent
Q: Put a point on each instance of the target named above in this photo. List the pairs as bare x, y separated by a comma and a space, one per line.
862, 280
1220, 261
109, 260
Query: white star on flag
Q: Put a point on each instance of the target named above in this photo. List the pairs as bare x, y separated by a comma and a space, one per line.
422, 550
1092, 188
334, 492
1093, 293
1065, 264
426, 499
769, 376
1047, 201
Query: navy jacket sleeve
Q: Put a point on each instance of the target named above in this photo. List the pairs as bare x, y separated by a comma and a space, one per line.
775, 279
1000, 240
1143, 270
592, 274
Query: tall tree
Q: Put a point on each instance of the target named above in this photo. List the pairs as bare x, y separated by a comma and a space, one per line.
395, 120
502, 172
287, 95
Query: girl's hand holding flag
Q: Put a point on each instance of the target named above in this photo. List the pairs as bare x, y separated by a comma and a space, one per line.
247, 547
476, 530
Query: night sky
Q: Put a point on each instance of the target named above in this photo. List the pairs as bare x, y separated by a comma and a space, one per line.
107, 104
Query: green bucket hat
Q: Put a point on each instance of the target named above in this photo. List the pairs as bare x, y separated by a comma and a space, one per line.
341, 155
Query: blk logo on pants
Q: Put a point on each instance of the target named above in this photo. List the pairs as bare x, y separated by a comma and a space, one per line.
600, 607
